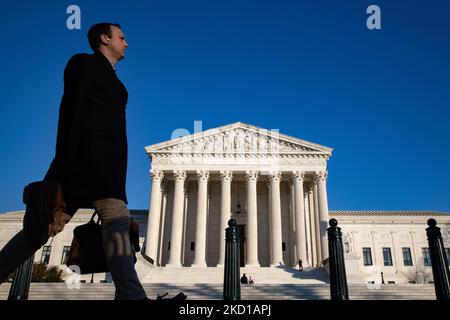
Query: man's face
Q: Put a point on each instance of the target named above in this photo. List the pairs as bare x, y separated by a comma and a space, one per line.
117, 44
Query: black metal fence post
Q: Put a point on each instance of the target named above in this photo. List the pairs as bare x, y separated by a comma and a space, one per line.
21, 282
338, 277
20, 285
439, 263
232, 284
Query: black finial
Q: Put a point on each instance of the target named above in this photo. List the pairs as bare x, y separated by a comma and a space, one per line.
333, 222
432, 222
231, 223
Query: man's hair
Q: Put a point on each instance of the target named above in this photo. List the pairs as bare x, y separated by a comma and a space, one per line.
98, 29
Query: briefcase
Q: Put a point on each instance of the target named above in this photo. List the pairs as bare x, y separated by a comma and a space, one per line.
86, 250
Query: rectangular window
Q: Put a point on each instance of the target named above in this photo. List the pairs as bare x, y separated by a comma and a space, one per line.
46, 250
192, 246
447, 253
387, 257
426, 257
391, 282
284, 246
65, 254
367, 254
407, 260
168, 247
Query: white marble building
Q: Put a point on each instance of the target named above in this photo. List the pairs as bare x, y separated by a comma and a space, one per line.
274, 186
197, 181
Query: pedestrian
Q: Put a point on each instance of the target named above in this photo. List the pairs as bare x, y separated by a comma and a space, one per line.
244, 279
300, 265
90, 160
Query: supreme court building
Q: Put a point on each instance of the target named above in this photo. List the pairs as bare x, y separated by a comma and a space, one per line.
273, 185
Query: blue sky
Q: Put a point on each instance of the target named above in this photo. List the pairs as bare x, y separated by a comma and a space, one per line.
311, 69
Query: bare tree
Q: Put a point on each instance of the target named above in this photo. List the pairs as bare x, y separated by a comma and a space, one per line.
419, 275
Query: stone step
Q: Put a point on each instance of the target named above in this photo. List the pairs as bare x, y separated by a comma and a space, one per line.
266, 291
215, 275
59, 291
107, 286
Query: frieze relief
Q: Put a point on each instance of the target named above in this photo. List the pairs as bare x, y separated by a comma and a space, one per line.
235, 141
348, 243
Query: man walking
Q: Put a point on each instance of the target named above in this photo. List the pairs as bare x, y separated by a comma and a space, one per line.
91, 156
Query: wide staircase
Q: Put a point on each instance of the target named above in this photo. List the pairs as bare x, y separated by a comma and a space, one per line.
213, 275
279, 283
105, 291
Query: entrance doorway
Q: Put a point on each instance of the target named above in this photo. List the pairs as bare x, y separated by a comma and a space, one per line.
242, 244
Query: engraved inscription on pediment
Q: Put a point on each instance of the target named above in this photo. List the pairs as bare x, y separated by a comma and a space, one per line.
238, 140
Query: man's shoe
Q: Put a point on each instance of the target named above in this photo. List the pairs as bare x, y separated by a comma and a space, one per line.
158, 297
179, 296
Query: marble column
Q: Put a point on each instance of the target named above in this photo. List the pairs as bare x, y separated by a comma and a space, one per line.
165, 195
154, 217
176, 237
292, 236
308, 228
300, 235
323, 211
185, 214
312, 216
269, 220
276, 258
252, 219
317, 224
225, 211
200, 231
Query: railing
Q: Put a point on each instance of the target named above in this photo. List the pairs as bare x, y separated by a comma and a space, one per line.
231, 284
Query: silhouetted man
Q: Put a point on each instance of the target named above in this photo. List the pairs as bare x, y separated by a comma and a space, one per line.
300, 265
91, 156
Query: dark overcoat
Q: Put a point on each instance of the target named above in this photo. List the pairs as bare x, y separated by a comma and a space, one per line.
91, 147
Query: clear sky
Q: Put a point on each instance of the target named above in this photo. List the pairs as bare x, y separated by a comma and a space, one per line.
311, 69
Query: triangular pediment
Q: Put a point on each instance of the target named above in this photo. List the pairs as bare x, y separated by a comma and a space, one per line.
238, 138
